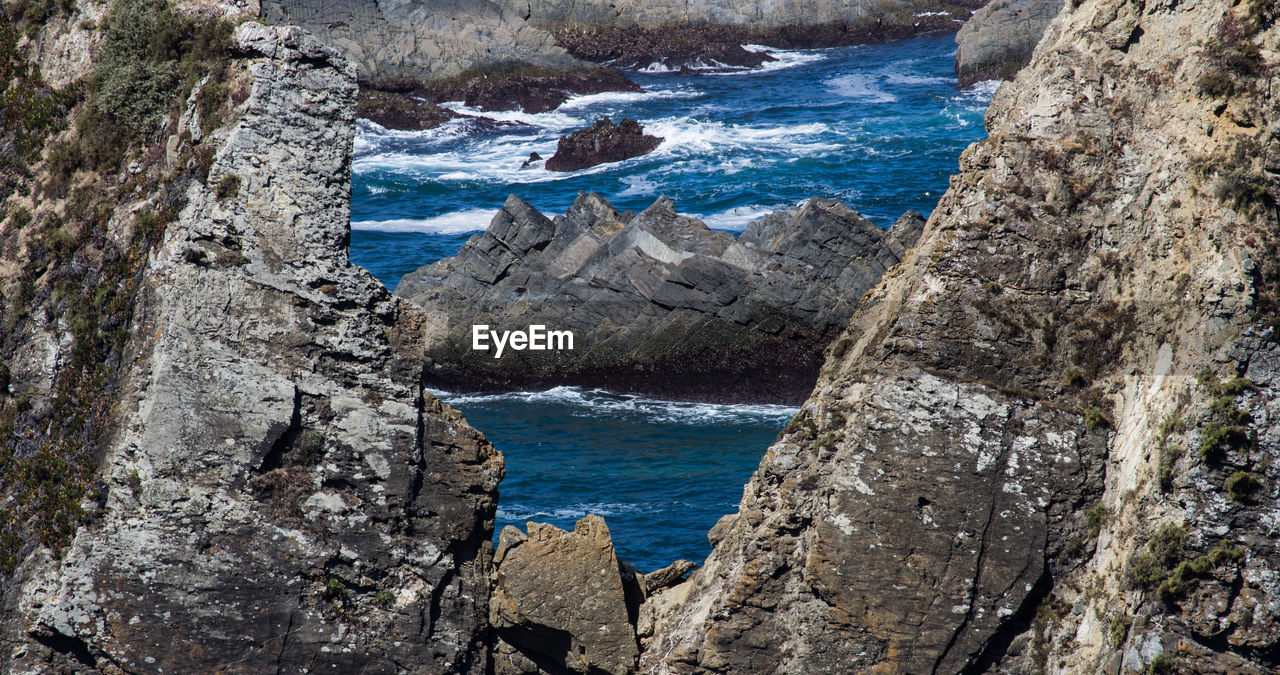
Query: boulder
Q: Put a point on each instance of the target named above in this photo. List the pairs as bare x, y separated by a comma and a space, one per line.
559, 601
601, 143
657, 302
998, 40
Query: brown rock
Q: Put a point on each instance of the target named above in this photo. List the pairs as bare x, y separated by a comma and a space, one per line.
559, 600
601, 143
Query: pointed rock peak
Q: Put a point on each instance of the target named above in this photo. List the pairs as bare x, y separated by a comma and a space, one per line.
594, 208
905, 232
662, 206
830, 207
520, 227
519, 210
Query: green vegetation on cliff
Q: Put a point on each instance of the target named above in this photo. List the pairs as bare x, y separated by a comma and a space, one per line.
78, 256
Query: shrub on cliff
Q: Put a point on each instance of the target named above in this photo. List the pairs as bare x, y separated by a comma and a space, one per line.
152, 56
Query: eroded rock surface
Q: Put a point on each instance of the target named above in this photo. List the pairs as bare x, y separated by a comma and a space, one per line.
1009, 463
658, 303
415, 42
280, 494
559, 601
1000, 37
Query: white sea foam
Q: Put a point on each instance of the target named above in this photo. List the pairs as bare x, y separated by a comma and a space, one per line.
860, 87
639, 186
601, 403
980, 93
518, 512
550, 119
737, 218
687, 135
458, 222
627, 97
898, 78
786, 58
373, 137
659, 67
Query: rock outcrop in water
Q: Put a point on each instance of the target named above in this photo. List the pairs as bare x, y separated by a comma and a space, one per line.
1048, 440
273, 490
657, 302
1000, 37
601, 143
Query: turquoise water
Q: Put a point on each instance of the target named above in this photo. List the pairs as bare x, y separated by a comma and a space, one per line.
879, 126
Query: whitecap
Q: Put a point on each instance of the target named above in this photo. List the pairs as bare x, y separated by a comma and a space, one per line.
607, 405
638, 186
552, 119
897, 78
860, 87
659, 67
519, 512
458, 222
687, 135
737, 218
372, 137
786, 58
979, 93
584, 100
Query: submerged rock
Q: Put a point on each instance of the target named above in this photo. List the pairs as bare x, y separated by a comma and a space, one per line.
601, 143
657, 302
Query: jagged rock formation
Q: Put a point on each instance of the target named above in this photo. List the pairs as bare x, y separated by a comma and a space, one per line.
601, 143
1009, 462
657, 302
1000, 37
277, 492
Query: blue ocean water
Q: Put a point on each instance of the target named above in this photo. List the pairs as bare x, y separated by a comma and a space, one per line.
880, 127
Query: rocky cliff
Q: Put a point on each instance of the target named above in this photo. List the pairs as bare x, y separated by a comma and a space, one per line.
657, 302
222, 459
1046, 440
405, 45
1000, 37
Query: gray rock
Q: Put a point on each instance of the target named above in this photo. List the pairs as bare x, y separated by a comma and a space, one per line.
409, 41
1035, 359
658, 303
280, 494
999, 38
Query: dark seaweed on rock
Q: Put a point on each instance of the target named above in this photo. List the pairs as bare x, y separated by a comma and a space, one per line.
601, 143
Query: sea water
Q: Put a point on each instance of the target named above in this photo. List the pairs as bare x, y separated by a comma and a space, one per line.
880, 127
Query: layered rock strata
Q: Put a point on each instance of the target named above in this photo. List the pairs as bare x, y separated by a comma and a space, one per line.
1000, 37
1047, 440
278, 492
657, 302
